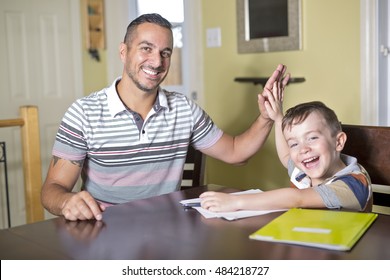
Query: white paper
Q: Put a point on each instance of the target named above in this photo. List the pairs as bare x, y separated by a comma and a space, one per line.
229, 215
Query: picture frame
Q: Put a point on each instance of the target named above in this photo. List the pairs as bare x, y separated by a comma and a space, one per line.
268, 25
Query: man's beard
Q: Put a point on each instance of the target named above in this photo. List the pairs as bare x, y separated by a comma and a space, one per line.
141, 86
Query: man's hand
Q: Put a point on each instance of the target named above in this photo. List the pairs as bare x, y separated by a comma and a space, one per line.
82, 206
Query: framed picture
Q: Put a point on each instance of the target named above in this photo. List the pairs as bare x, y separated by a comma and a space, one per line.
268, 25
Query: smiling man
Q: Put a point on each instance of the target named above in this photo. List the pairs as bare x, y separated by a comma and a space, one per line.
129, 141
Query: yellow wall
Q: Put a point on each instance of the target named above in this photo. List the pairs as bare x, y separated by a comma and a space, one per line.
329, 61
95, 72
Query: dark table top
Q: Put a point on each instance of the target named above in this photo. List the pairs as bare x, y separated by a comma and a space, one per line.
160, 228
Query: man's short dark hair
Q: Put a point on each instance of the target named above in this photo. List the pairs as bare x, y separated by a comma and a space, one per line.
151, 18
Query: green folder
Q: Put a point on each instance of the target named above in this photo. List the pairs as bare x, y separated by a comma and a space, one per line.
329, 229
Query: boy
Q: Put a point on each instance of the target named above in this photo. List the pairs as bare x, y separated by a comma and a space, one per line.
309, 142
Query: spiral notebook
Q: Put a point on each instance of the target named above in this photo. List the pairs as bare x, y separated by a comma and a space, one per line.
329, 229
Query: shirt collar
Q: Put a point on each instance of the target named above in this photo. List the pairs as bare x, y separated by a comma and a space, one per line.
116, 106
161, 101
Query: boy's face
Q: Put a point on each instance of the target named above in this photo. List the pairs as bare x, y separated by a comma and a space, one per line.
313, 149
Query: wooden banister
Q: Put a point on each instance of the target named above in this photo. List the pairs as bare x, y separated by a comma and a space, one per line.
10, 123
32, 165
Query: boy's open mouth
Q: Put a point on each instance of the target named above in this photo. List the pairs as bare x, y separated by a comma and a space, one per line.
310, 162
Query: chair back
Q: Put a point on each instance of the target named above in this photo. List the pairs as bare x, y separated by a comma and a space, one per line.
371, 146
28, 122
193, 174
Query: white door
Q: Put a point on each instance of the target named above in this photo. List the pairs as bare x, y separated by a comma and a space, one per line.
40, 64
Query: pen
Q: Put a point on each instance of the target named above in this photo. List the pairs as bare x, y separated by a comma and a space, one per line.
194, 204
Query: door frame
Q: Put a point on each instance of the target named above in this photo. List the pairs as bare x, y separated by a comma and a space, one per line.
369, 62
375, 92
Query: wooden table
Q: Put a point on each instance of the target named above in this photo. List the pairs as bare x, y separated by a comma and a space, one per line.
160, 228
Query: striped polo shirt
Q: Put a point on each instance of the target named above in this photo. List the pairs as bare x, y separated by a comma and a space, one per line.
125, 157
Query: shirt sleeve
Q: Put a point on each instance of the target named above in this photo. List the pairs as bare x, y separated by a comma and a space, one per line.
349, 191
205, 132
70, 142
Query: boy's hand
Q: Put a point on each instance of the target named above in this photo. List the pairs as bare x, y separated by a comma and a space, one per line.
219, 202
278, 77
274, 102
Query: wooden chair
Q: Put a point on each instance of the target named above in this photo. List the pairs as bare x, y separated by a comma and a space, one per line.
371, 146
32, 170
193, 174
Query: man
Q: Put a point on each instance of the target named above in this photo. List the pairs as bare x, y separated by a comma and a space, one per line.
129, 141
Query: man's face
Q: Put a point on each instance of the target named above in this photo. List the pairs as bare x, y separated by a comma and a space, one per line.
147, 56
